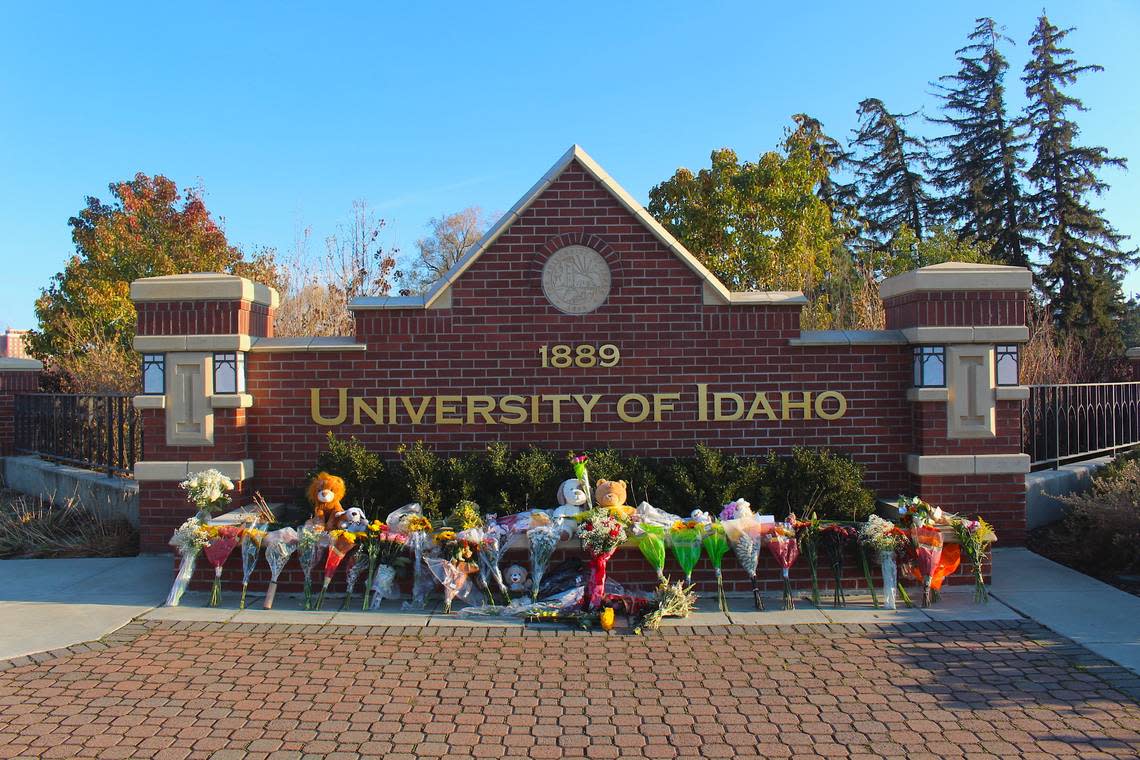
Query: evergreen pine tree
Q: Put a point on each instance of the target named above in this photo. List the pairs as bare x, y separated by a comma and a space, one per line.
1084, 259
977, 171
889, 165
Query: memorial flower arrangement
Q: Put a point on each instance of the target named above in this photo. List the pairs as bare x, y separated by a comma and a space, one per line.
208, 491
454, 567
251, 539
976, 537
927, 541
419, 530
188, 540
279, 547
601, 533
578, 463
223, 540
784, 546
651, 543
685, 538
807, 537
490, 558
383, 548
884, 540
834, 539
341, 542
716, 546
542, 537
309, 542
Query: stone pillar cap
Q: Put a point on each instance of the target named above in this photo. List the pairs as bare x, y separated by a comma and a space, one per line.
202, 286
956, 275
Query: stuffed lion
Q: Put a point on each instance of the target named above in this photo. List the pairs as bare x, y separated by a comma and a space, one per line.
325, 494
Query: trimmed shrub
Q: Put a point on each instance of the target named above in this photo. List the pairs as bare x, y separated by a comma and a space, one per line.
815, 480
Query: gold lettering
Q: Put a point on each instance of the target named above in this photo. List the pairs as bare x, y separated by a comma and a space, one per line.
663, 402
625, 416
718, 413
787, 405
587, 404
534, 418
416, 415
702, 402
513, 405
315, 407
445, 405
481, 405
360, 405
760, 404
840, 410
556, 406
391, 410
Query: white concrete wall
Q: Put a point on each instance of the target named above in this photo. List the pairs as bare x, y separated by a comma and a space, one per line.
111, 497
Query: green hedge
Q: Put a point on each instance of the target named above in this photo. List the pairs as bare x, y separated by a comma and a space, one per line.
502, 481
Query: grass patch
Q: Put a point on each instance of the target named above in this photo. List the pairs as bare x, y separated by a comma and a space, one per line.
36, 527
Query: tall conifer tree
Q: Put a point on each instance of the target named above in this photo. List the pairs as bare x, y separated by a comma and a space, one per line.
1085, 261
978, 168
890, 166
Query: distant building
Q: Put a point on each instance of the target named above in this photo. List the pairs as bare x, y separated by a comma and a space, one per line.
12, 344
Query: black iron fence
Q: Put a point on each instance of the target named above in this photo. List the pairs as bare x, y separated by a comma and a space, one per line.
1068, 423
97, 431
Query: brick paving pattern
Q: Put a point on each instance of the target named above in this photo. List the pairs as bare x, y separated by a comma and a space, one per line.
189, 690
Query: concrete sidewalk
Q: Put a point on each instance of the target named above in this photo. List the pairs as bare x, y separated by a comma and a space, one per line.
1095, 615
49, 604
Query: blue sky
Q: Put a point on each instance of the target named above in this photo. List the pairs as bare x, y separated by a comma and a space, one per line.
287, 113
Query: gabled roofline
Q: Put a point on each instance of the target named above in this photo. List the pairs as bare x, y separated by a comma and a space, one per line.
714, 291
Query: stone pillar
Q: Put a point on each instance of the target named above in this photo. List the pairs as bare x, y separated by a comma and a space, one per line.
193, 330
962, 321
16, 376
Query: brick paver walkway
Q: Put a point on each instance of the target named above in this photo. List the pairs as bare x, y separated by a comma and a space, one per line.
177, 690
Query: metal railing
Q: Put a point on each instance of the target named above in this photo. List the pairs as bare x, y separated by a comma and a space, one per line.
1068, 423
96, 431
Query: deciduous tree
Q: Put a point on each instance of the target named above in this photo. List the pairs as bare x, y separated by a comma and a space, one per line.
451, 236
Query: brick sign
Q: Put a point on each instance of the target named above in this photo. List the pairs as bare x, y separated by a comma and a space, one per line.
579, 322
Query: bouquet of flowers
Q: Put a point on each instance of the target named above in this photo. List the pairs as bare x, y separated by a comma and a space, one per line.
807, 535
224, 540
601, 534
542, 537
418, 529
884, 539
385, 549
785, 548
207, 490
578, 463
685, 538
354, 567
927, 541
716, 546
279, 547
490, 556
454, 567
975, 538
309, 542
947, 565
835, 538
341, 543
735, 510
251, 539
745, 533
189, 540
651, 543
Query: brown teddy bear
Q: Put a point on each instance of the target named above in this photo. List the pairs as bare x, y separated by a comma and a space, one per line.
325, 494
611, 495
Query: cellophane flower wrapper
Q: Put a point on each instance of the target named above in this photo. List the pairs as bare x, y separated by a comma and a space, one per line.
975, 538
383, 586
746, 536
928, 552
490, 558
947, 565
421, 545
716, 546
647, 514
217, 552
834, 539
453, 578
279, 547
309, 545
807, 537
651, 544
685, 542
251, 540
340, 544
355, 566
189, 540
596, 565
890, 578
601, 533
785, 548
383, 548
542, 539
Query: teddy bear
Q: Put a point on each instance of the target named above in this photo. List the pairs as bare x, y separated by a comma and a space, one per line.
611, 495
353, 519
517, 581
571, 493
325, 493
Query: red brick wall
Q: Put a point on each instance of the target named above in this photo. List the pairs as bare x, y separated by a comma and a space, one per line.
12, 383
230, 438
204, 318
955, 309
1000, 499
930, 425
